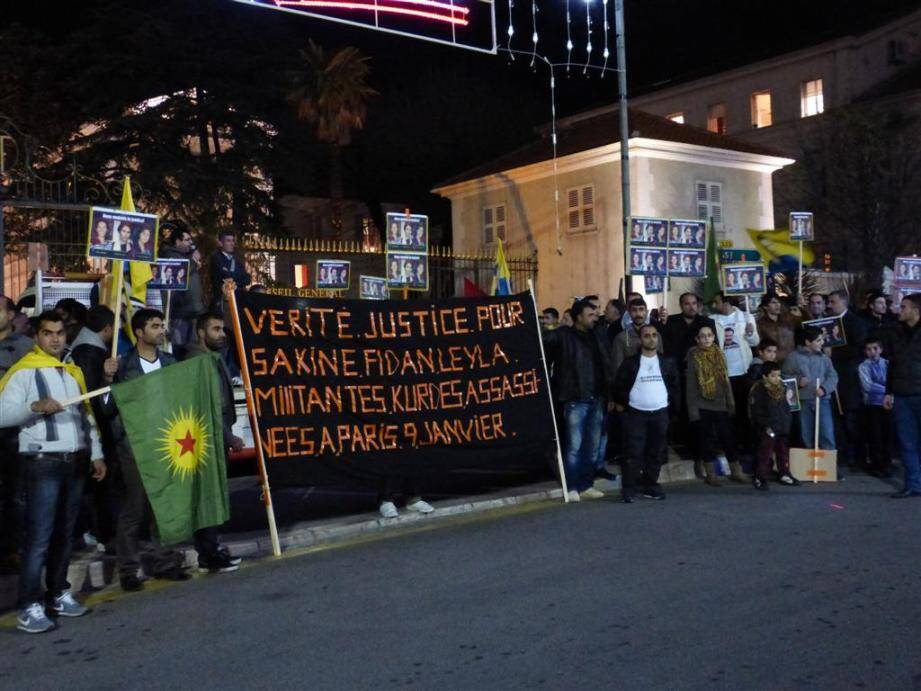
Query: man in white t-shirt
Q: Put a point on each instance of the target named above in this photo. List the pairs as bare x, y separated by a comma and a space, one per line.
646, 388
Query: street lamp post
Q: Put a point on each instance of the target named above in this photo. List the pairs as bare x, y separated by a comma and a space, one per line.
620, 40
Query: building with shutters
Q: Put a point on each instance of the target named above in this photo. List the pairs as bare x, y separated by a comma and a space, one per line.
566, 210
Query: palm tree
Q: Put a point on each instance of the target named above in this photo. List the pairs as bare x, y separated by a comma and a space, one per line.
330, 93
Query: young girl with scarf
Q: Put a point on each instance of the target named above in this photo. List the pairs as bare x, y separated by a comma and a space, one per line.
711, 405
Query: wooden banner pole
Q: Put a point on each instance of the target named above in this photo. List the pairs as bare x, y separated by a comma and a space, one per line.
87, 395
799, 289
815, 450
230, 295
556, 431
119, 283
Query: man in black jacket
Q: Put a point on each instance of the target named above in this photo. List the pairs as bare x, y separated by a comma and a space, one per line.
582, 375
90, 351
647, 388
903, 391
212, 558
225, 264
185, 305
680, 336
145, 357
852, 450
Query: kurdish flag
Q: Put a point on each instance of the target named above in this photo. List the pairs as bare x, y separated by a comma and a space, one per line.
502, 281
173, 421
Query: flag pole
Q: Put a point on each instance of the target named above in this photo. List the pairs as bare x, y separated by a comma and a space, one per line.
119, 283
230, 294
86, 396
556, 431
799, 289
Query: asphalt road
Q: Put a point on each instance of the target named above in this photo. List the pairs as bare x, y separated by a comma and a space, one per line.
802, 588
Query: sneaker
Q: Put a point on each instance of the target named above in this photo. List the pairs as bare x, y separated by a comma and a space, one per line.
591, 493
761, 484
789, 480
225, 553
419, 505
219, 563
627, 499
653, 493
605, 474
32, 619
388, 509
573, 495
64, 605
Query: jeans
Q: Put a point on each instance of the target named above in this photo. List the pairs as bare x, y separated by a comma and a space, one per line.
583, 437
603, 443
54, 486
647, 433
907, 415
826, 428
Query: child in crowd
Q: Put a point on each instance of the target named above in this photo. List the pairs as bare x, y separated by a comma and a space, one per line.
711, 403
771, 419
765, 351
809, 365
877, 420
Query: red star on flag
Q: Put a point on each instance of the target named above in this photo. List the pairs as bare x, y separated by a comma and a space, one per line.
187, 444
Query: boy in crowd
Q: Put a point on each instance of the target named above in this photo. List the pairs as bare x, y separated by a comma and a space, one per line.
765, 352
876, 419
817, 380
771, 419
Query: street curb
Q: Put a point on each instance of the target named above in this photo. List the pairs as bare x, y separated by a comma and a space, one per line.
94, 571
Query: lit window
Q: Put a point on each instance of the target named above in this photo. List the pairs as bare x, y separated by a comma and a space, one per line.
812, 102
493, 224
761, 109
676, 117
716, 118
580, 208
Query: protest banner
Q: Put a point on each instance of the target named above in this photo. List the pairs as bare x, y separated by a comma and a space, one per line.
354, 391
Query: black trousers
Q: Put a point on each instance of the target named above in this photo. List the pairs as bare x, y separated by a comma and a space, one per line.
646, 435
850, 438
12, 493
717, 433
741, 387
877, 423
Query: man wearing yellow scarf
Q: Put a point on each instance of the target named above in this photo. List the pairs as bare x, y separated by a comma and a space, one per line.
57, 444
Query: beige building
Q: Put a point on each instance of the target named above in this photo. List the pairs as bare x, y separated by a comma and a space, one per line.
773, 101
567, 212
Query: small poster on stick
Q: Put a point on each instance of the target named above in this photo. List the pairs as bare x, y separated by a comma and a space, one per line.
801, 227
169, 274
373, 288
333, 274
743, 279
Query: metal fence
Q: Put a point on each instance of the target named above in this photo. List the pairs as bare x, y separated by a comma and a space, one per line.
282, 264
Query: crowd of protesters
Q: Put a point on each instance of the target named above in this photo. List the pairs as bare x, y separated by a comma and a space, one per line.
625, 380
719, 385
68, 471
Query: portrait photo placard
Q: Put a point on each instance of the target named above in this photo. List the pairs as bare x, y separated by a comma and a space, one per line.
653, 284
832, 329
124, 235
648, 232
801, 226
743, 279
687, 233
169, 274
407, 233
908, 273
791, 394
648, 261
373, 288
408, 270
333, 274
687, 263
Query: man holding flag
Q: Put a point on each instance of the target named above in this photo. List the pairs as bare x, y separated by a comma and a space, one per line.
57, 444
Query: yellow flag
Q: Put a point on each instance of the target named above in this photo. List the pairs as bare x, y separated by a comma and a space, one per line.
140, 271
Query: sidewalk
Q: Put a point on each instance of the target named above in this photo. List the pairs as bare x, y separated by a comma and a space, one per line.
91, 571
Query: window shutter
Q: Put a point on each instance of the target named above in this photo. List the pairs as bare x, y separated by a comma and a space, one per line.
588, 196
487, 216
574, 220
716, 193
702, 192
487, 225
500, 222
573, 199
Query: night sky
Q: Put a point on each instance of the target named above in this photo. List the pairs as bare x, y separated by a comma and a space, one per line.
442, 110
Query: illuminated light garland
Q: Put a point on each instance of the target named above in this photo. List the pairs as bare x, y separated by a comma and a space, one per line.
568, 37
588, 38
511, 27
385, 9
534, 31
607, 53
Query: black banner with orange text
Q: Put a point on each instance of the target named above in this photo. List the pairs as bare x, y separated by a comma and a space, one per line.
360, 389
